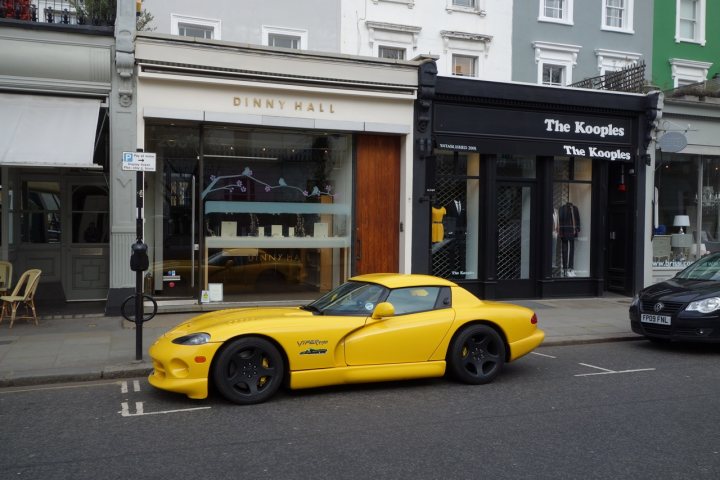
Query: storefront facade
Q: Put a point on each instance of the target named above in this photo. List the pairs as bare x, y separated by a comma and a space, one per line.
684, 202
279, 174
54, 150
525, 191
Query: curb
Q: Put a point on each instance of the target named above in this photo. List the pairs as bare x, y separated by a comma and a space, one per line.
89, 375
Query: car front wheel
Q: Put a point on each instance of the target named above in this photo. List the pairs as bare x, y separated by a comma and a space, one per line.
477, 355
248, 370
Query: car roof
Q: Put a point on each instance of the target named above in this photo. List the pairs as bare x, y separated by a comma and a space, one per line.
398, 280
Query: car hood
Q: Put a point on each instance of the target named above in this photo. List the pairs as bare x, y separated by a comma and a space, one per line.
223, 324
681, 290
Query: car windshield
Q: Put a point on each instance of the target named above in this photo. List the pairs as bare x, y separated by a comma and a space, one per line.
351, 298
707, 268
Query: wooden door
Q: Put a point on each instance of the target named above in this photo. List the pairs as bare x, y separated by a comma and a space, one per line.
377, 204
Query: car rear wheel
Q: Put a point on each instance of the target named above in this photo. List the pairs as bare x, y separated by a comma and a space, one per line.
477, 355
248, 370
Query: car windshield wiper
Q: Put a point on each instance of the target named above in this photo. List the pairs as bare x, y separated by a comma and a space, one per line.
311, 308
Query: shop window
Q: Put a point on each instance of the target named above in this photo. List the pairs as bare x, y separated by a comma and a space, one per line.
455, 216
691, 218
187, 26
90, 214
690, 21
276, 209
558, 11
394, 53
40, 219
464, 66
618, 15
571, 217
285, 37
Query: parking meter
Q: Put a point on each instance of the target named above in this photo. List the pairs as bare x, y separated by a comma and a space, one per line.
139, 261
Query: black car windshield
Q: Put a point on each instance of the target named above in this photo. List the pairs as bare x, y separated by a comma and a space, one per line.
707, 268
351, 298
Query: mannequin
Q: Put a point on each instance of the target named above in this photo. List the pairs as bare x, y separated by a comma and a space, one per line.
438, 231
569, 227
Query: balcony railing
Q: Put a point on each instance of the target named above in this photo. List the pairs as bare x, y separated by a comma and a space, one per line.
77, 12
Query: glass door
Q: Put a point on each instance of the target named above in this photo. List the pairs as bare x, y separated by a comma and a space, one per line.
180, 254
515, 245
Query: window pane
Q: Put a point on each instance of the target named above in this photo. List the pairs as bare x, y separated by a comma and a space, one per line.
455, 216
710, 234
40, 221
414, 299
554, 8
284, 41
189, 30
391, 52
614, 13
464, 66
90, 216
516, 166
553, 74
688, 18
464, 3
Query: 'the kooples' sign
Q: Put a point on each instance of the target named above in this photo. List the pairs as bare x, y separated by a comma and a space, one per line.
583, 128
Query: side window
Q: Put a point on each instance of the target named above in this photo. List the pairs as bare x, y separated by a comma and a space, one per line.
414, 299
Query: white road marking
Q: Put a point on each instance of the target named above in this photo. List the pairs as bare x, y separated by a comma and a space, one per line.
140, 410
593, 366
123, 387
605, 371
542, 355
136, 385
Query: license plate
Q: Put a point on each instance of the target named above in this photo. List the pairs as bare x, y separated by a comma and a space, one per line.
659, 319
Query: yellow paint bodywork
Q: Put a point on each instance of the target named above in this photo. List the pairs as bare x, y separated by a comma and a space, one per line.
331, 349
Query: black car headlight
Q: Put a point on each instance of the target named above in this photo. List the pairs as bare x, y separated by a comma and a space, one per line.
193, 339
635, 300
707, 305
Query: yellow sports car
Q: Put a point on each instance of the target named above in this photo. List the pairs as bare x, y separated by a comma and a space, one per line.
373, 328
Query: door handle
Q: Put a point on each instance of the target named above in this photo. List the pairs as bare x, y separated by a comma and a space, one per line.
358, 249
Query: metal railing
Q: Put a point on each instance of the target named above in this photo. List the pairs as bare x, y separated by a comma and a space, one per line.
74, 12
629, 79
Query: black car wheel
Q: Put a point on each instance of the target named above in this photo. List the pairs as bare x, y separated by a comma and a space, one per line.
477, 355
248, 370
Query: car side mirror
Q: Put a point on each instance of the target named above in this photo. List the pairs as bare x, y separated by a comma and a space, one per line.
382, 310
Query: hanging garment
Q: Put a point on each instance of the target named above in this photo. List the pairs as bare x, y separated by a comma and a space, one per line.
438, 231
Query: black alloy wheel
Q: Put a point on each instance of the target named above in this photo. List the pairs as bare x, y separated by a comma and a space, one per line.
248, 370
477, 355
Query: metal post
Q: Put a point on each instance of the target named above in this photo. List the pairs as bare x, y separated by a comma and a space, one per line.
139, 274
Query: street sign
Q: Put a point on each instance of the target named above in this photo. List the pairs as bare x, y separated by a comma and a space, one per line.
138, 161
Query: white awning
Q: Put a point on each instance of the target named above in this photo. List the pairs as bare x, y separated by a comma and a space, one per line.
40, 131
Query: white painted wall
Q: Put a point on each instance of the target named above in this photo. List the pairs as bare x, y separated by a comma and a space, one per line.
432, 17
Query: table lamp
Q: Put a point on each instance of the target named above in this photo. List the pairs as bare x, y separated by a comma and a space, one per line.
681, 221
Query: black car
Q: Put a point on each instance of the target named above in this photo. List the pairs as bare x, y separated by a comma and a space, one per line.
684, 308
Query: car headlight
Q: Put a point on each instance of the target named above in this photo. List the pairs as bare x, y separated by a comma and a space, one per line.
708, 305
193, 339
635, 300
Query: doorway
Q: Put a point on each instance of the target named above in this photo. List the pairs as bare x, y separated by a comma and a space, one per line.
515, 243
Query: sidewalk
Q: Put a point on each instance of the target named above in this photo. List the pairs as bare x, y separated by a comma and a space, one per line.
91, 347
